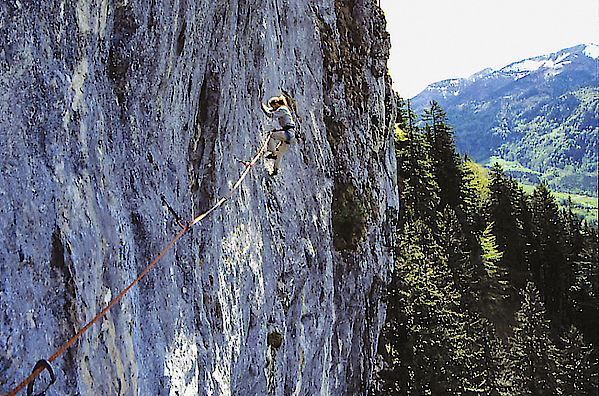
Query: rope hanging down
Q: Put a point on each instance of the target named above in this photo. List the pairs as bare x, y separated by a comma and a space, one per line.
39, 368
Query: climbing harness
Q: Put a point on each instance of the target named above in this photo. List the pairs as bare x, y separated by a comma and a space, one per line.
286, 129
42, 364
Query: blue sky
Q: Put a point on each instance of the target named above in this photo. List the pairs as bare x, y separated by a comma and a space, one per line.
433, 40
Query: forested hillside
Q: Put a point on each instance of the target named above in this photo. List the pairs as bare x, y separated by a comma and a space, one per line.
494, 290
540, 114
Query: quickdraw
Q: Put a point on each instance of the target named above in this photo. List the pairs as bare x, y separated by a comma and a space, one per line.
40, 366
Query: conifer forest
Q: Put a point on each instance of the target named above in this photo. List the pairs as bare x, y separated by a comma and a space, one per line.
494, 290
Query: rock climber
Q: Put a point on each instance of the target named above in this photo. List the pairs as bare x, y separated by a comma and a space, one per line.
277, 108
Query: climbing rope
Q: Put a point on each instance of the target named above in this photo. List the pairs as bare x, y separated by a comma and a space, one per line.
45, 364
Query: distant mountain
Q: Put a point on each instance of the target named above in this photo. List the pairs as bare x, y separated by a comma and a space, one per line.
539, 116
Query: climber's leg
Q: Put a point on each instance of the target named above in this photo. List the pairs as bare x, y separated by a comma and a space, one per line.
275, 138
282, 149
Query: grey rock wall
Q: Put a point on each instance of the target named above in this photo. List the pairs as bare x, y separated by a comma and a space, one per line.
105, 106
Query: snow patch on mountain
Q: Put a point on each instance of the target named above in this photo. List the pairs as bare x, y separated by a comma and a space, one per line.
447, 87
553, 64
481, 74
528, 65
592, 51
562, 57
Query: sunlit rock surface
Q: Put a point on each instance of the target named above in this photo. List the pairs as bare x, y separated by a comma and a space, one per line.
105, 106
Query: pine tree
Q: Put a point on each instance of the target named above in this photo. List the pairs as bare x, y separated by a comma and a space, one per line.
585, 289
494, 281
573, 238
419, 190
506, 210
446, 163
531, 357
577, 366
486, 359
474, 193
432, 343
435, 328
550, 269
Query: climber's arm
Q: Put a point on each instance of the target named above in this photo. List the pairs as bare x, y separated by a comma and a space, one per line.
267, 110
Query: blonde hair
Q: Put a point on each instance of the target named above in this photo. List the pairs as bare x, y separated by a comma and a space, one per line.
277, 101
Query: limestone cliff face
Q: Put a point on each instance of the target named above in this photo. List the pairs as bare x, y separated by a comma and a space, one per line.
107, 105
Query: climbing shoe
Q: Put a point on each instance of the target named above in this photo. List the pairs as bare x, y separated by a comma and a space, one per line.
271, 156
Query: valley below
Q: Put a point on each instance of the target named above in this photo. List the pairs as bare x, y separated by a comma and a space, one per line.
538, 118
